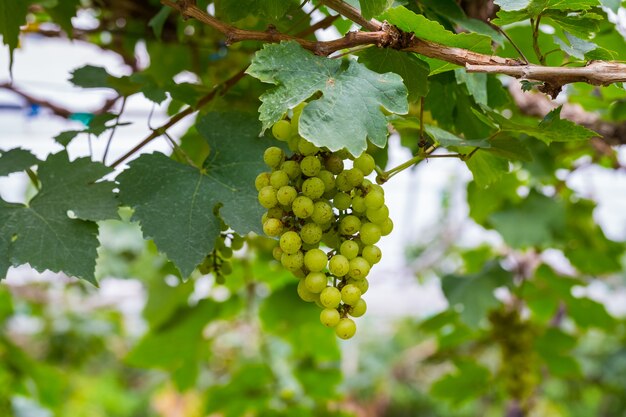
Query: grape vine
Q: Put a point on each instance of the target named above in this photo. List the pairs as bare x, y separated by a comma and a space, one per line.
328, 219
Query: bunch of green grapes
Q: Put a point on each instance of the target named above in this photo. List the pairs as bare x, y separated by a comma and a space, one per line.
328, 220
218, 260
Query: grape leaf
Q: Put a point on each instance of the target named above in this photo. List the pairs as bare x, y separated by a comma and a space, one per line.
475, 292
158, 21
62, 13
91, 76
56, 231
349, 111
15, 160
372, 8
430, 30
487, 168
509, 5
577, 47
414, 71
174, 202
469, 381
446, 139
12, 16
233, 10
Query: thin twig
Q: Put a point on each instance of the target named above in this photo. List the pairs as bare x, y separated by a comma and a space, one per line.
117, 121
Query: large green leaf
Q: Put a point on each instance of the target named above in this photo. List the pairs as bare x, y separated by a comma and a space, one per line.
233, 10
430, 30
475, 292
174, 202
56, 231
12, 16
15, 160
446, 139
349, 110
414, 71
486, 168
372, 8
469, 381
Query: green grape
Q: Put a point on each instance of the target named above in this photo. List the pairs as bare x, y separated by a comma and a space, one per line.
273, 227
379, 215
306, 148
316, 282
236, 242
374, 200
292, 143
339, 265
354, 177
313, 188
372, 254
359, 268
305, 294
219, 278
262, 180
350, 294
334, 164
359, 308
279, 179
282, 130
342, 201
267, 197
273, 156
386, 227
330, 317
349, 249
346, 328
365, 163
362, 284
342, 182
310, 166
292, 262
349, 225
330, 297
277, 253
226, 252
275, 212
290, 242
286, 194
370, 233
226, 268
358, 204
315, 260
311, 233
292, 168
322, 212
328, 179
302, 207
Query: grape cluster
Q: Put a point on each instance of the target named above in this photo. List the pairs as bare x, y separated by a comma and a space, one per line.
328, 220
218, 260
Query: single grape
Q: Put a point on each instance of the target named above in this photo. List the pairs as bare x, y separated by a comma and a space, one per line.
282, 130
322, 212
316, 282
292, 262
342, 182
315, 260
349, 225
306, 148
350, 294
362, 284
275, 212
311, 233
339, 265
349, 249
334, 164
365, 163
342, 201
358, 204
330, 297
273, 227
302, 207
267, 197
313, 188
305, 294
374, 200
273, 156
359, 268
262, 180
386, 227
292, 168
236, 242
310, 166
379, 215
354, 177
286, 194
292, 143
346, 328
290, 242
330, 317
277, 253
328, 179
279, 179
359, 308
372, 254
370, 233
226, 268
